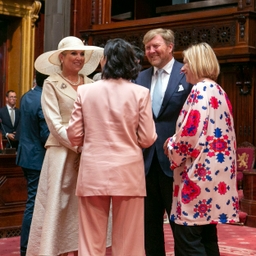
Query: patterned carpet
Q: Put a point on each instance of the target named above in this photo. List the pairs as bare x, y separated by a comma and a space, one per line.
233, 240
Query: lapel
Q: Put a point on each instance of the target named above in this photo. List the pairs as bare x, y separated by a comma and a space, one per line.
148, 77
63, 86
173, 84
16, 117
7, 117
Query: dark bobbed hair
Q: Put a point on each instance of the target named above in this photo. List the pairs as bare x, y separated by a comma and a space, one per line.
139, 54
40, 78
120, 60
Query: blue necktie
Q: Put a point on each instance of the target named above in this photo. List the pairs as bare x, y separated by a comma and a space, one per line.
157, 93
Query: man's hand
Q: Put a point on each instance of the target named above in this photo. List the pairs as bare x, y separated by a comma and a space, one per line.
11, 136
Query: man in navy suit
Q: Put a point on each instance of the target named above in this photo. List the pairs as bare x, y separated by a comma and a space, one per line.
33, 133
159, 45
10, 117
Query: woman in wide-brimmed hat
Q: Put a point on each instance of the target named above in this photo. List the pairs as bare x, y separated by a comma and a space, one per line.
54, 228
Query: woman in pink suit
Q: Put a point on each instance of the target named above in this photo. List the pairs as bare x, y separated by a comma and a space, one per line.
112, 120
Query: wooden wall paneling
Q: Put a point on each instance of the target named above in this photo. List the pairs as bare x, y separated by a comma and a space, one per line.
247, 4
13, 193
144, 9
248, 202
252, 30
86, 13
81, 16
235, 79
219, 30
106, 11
230, 31
3, 60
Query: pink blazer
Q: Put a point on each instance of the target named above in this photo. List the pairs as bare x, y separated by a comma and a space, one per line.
112, 120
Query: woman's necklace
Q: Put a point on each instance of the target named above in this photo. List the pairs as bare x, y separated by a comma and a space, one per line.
70, 82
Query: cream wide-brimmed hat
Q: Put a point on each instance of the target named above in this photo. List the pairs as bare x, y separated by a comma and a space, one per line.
49, 63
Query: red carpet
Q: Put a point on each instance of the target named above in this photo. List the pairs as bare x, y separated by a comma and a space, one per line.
233, 240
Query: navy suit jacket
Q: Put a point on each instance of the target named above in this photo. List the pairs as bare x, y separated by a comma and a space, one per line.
165, 122
33, 131
7, 123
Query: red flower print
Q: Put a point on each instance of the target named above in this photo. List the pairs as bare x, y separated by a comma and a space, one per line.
209, 138
202, 173
178, 210
222, 188
191, 126
183, 148
195, 153
193, 97
205, 126
202, 208
190, 191
214, 102
219, 145
176, 191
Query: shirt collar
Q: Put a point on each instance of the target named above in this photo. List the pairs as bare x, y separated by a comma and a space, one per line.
9, 107
167, 68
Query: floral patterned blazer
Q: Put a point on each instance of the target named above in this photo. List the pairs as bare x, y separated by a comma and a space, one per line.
203, 156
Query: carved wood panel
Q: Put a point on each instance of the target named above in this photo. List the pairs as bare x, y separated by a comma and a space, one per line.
13, 194
239, 83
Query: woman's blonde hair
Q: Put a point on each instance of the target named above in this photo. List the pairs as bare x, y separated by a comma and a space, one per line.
202, 61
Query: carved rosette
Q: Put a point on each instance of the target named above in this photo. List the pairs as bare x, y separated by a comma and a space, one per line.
218, 35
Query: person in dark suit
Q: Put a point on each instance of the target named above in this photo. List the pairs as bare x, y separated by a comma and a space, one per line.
159, 45
10, 116
33, 133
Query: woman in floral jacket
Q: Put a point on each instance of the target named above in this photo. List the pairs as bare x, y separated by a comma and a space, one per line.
203, 158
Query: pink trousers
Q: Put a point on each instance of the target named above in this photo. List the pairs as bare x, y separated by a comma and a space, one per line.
127, 230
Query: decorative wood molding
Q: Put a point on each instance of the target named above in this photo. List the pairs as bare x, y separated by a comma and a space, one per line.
240, 4
242, 21
244, 79
35, 11
27, 13
93, 17
28, 46
10, 8
217, 35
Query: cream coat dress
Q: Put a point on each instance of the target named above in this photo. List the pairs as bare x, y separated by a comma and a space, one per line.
54, 227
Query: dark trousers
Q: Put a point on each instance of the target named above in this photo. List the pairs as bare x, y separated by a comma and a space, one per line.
32, 177
158, 200
196, 240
